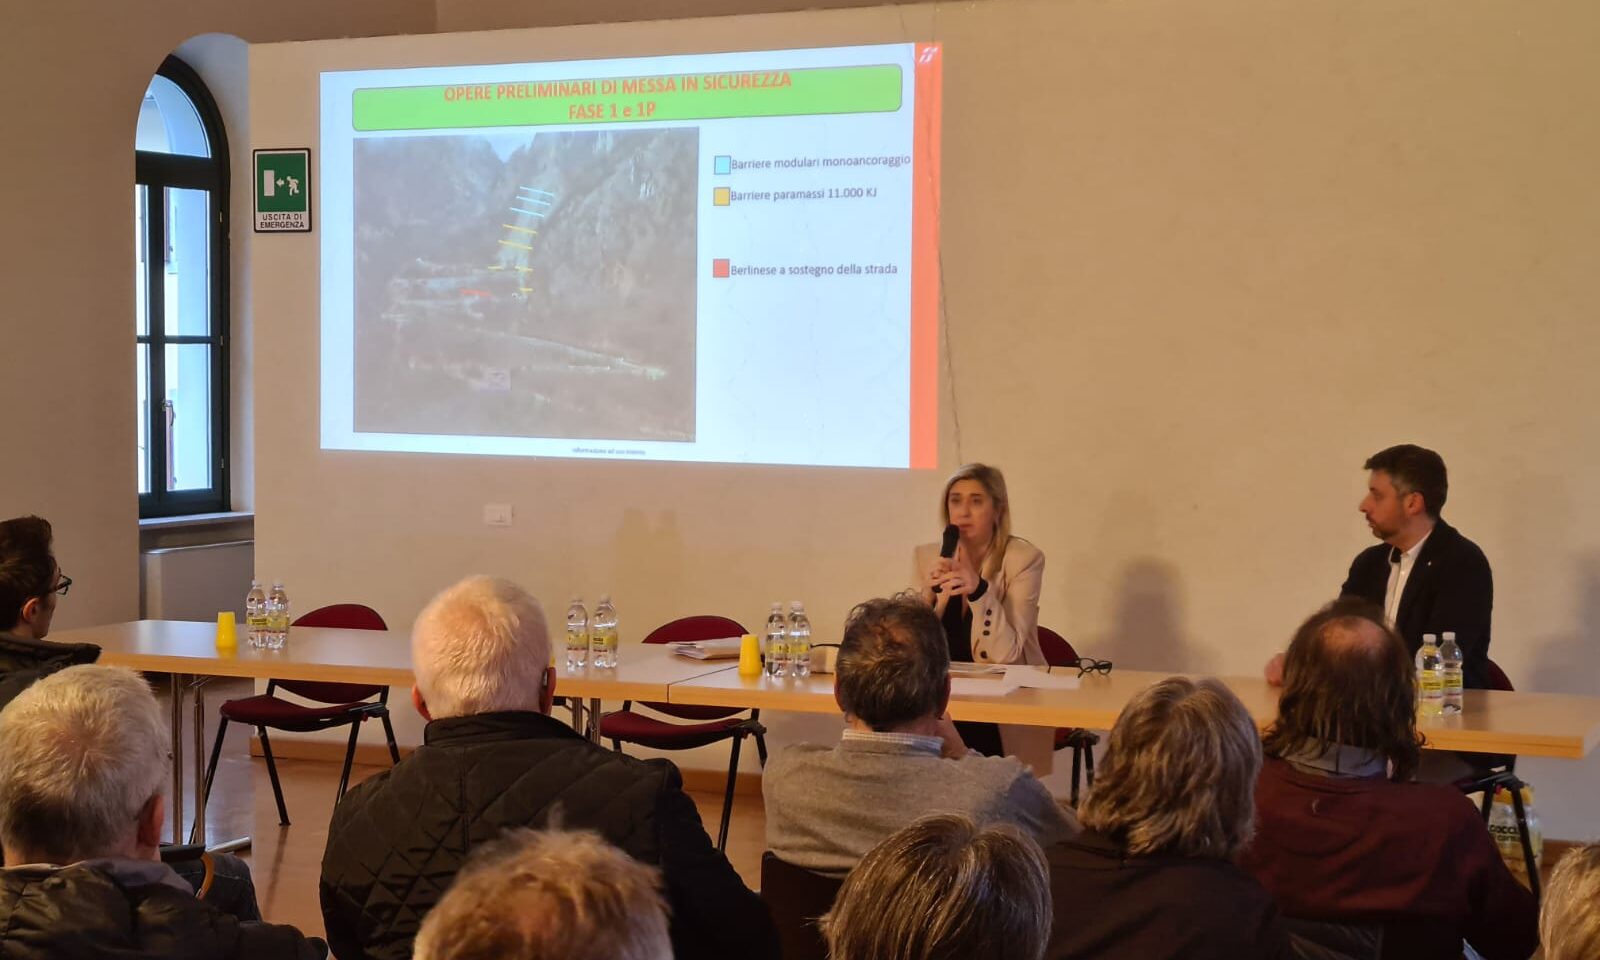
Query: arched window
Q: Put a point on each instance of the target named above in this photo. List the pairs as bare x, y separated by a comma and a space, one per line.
181, 302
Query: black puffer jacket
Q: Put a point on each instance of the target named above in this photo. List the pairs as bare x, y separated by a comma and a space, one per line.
98, 910
24, 661
397, 840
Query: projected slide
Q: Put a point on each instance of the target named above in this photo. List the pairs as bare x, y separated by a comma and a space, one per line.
728, 258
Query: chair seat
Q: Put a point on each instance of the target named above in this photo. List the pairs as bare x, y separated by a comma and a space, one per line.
661, 735
265, 710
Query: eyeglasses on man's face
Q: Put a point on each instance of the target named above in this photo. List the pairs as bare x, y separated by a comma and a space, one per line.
63, 584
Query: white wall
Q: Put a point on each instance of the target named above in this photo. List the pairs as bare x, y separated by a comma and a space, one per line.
1200, 261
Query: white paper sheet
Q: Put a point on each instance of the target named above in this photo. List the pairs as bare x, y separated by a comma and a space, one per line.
1037, 678
968, 687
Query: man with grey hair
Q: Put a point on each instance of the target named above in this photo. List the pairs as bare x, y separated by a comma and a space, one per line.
549, 895
900, 757
493, 760
83, 757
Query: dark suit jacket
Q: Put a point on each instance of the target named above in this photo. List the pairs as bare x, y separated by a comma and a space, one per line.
1450, 588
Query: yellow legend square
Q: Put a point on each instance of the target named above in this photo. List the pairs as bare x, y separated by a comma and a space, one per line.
720, 196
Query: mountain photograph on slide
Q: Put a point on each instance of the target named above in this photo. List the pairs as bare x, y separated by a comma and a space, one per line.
527, 285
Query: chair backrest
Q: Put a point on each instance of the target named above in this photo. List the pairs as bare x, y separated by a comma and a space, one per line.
1497, 678
683, 630
343, 616
797, 897
1057, 651
1321, 940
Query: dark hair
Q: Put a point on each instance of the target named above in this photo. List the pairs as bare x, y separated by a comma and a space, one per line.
1414, 469
894, 662
1341, 690
26, 566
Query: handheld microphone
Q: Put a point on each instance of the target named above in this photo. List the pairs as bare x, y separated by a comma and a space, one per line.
947, 548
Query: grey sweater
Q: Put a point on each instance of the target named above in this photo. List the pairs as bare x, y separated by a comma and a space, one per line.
827, 806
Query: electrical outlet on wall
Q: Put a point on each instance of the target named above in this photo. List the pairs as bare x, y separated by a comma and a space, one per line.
497, 514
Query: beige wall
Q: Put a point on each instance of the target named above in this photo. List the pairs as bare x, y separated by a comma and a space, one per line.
74, 72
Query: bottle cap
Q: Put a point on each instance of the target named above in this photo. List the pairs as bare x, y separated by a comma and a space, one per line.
1449, 634
796, 605
1429, 639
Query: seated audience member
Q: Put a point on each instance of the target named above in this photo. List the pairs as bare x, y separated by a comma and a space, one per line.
549, 896
491, 760
83, 758
1152, 875
940, 889
1341, 834
1569, 926
899, 757
30, 583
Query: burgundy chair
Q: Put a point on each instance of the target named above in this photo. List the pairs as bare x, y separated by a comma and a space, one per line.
715, 723
1500, 773
1059, 653
340, 704
796, 897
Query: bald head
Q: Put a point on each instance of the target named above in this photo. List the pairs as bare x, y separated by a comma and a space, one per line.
1354, 635
1348, 681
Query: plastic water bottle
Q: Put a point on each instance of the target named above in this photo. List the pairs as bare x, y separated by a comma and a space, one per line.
277, 617
1450, 655
777, 643
1430, 677
255, 615
603, 635
577, 635
799, 641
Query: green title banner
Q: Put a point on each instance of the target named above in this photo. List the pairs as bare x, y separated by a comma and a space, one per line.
685, 96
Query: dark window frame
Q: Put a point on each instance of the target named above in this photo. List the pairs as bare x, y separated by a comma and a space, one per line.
157, 172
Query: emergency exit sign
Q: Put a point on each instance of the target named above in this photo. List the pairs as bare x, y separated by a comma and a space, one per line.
283, 191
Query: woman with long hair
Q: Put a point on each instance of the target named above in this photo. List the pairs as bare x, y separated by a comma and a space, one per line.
986, 595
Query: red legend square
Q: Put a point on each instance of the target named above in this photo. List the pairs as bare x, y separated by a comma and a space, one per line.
719, 269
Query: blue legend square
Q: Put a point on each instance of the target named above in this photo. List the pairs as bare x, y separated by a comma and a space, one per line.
722, 166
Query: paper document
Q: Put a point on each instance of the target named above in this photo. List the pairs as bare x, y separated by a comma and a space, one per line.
1038, 678
721, 649
968, 687
962, 668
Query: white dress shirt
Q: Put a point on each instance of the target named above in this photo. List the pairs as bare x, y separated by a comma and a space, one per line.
1398, 574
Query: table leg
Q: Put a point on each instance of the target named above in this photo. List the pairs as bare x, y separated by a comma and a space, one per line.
198, 833
177, 759
594, 720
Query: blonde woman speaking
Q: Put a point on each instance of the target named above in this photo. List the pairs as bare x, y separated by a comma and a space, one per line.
986, 593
